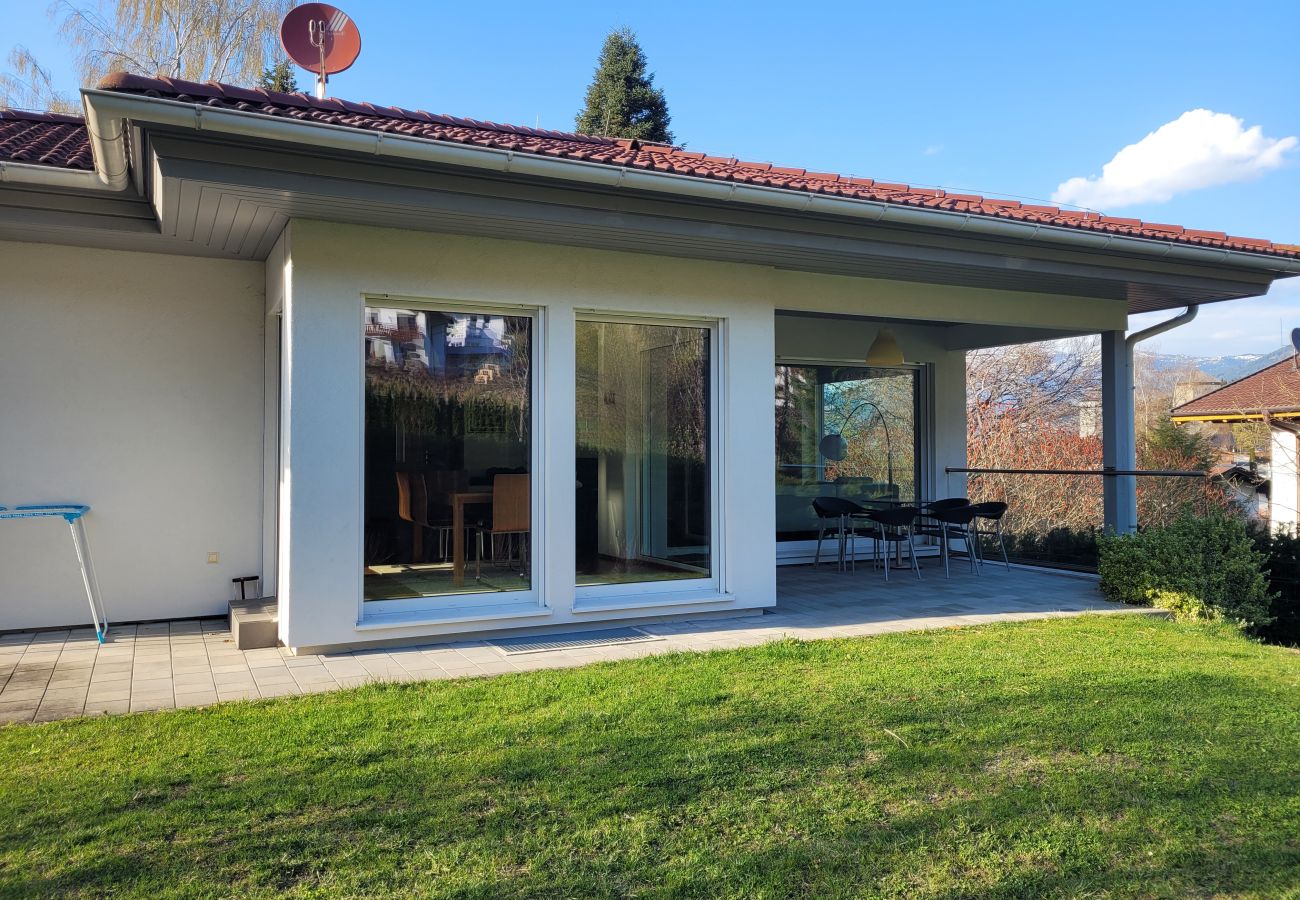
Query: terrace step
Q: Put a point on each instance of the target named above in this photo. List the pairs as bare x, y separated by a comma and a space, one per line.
255, 624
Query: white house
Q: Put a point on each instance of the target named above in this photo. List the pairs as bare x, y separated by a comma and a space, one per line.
1271, 396
343, 347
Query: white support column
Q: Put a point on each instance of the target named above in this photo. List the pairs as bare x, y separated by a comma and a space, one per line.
1119, 450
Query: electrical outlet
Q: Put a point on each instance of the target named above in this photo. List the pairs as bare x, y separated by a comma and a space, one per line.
214, 557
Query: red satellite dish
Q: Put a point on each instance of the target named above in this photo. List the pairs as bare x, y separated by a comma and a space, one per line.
320, 38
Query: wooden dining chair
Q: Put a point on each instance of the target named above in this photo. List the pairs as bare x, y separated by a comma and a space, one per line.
413, 507
511, 516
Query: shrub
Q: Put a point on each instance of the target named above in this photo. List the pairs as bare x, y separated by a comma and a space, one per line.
1183, 606
1206, 566
1283, 552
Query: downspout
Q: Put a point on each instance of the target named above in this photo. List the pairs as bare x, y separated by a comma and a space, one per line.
1130, 346
107, 135
1159, 328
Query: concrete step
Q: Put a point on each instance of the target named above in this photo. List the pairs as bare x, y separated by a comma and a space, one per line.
255, 624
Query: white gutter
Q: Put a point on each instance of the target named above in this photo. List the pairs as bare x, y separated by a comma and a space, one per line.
107, 113
48, 176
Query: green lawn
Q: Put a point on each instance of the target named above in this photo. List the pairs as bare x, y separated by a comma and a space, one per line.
1095, 756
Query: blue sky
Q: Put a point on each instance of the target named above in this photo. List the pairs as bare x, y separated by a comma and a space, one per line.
1012, 98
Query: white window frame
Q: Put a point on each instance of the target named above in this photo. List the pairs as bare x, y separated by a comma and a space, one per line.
605, 597
455, 606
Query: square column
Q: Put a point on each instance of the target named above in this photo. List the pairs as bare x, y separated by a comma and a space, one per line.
1118, 434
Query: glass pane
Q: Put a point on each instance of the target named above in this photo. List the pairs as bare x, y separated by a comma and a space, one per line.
448, 453
643, 483
842, 431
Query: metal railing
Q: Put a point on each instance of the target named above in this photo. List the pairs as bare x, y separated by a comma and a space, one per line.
1106, 472
1056, 521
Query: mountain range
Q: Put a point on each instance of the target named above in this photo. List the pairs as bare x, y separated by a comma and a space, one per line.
1224, 368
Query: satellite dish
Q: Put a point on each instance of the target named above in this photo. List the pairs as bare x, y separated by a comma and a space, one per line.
320, 38
1295, 339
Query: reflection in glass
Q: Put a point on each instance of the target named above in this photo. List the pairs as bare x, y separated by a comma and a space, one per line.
448, 453
643, 453
873, 413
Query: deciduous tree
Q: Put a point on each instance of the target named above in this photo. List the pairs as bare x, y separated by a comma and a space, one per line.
197, 40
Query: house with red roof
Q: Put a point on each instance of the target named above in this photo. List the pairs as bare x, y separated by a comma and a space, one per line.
424, 375
1271, 396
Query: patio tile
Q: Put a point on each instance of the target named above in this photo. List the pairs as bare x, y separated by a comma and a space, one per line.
250, 693
142, 704
107, 695
106, 707
12, 694
52, 711
196, 698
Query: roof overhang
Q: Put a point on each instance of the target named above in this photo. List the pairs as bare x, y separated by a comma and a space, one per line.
224, 182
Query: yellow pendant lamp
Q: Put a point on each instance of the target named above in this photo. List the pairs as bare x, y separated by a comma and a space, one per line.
885, 350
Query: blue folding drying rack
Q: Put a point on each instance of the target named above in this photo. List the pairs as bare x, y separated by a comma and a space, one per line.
72, 514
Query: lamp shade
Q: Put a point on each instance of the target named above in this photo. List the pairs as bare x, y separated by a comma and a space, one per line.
885, 350
833, 447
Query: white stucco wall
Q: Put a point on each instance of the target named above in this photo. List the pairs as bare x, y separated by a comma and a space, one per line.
1283, 480
332, 267
132, 382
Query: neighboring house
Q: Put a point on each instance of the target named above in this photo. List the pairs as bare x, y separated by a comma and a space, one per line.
433, 376
1271, 395
1196, 384
1248, 489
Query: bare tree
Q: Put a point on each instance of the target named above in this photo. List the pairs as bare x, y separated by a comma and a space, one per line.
29, 85
1022, 406
1041, 383
197, 40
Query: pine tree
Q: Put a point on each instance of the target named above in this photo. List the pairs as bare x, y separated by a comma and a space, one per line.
622, 100
279, 77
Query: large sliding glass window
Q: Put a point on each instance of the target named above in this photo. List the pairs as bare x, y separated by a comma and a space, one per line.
843, 431
448, 453
644, 482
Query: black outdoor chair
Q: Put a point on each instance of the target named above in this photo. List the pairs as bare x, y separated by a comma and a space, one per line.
993, 511
955, 523
893, 527
927, 525
840, 513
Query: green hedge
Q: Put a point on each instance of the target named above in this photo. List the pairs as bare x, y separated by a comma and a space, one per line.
1199, 566
1283, 551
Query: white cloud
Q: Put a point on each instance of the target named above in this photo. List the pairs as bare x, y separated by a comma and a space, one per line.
1199, 149
933, 150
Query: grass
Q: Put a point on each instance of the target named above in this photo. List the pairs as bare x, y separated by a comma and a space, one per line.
1096, 756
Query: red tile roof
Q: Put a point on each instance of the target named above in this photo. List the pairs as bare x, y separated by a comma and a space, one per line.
1273, 390
44, 139
613, 152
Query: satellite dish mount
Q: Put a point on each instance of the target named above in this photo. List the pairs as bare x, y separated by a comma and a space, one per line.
322, 39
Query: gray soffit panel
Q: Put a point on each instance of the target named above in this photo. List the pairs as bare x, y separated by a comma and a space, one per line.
224, 197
